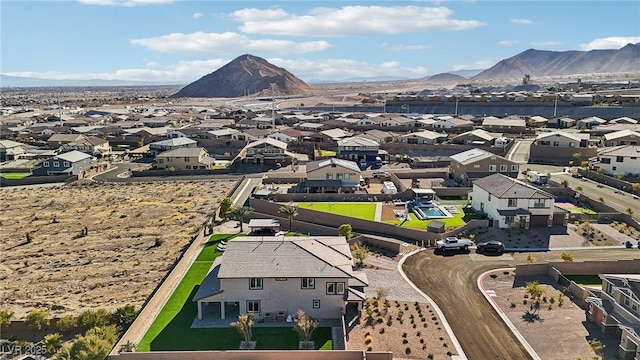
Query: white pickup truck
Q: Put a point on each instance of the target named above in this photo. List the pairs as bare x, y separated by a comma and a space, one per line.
453, 243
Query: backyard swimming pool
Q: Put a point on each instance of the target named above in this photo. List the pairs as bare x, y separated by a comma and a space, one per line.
424, 211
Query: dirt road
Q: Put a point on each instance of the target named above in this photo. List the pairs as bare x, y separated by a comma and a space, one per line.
451, 282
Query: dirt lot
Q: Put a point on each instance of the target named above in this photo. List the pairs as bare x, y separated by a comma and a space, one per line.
567, 319
450, 280
134, 233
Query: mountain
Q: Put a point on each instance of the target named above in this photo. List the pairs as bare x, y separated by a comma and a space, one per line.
447, 78
553, 63
247, 74
466, 73
18, 81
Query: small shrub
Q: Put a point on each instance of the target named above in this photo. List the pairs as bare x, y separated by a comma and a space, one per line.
513, 305
418, 334
405, 341
157, 242
493, 276
381, 331
430, 356
369, 348
404, 335
449, 353
367, 333
407, 351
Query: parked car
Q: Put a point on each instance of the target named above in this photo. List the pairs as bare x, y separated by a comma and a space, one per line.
380, 174
453, 243
577, 175
491, 246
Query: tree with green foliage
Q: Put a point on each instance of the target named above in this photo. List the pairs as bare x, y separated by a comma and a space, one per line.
600, 170
5, 319
37, 318
304, 326
618, 176
630, 212
530, 258
345, 230
579, 189
129, 346
124, 316
225, 207
601, 199
565, 183
93, 318
67, 323
52, 343
244, 325
597, 346
535, 291
239, 213
95, 344
360, 253
289, 211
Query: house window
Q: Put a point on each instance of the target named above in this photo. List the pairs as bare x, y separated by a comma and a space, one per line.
347, 176
253, 306
188, 167
539, 203
619, 158
489, 197
503, 168
555, 143
509, 219
281, 279
316, 303
605, 161
45, 164
513, 202
476, 166
329, 176
255, 283
335, 288
492, 168
66, 164
56, 164
308, 283
186, 159
160, 161
514, 168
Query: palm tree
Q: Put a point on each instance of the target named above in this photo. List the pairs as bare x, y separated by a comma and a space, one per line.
239, 213
52, 343
290, 211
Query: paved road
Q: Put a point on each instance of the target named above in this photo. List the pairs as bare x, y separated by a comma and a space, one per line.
520, 151
451, 282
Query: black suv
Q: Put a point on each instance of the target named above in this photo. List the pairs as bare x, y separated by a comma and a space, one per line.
491, 246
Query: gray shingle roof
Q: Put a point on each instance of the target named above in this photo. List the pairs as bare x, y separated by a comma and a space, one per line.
73, 156
271, 257
472, 155
504, 187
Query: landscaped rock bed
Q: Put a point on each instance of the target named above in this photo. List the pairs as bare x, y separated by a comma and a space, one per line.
78, 247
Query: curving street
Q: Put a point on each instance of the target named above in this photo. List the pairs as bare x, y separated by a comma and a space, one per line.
451, 282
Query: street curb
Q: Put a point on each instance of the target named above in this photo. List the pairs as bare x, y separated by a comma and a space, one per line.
461, 355
502, 315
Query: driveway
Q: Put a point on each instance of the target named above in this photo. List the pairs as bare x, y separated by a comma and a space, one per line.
451, 282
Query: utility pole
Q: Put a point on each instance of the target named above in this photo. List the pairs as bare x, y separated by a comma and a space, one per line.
273, 106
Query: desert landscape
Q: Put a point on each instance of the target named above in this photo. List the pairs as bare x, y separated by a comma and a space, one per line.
86, 246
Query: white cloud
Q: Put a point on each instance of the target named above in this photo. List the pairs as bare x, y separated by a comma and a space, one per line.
508, 42
226, 43
404, 47
478, 64
615, 42
351, 20
125, 3
197, 15
188, 71
522, 21
546, 43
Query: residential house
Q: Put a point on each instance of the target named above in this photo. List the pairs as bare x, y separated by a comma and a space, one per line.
609, 128
289, 135
309, 126
452, 123
185, 159
563, 139
70, 163
623, 120
187, 132
358, 148
332, 176
380, 136
333, 135
57, 140
622, 137
11, 150
615, 308
589, 122
267, 151
156, 122
159, 147
537, 121
91, 145
510, 125
476, 137
473, 164
271, 277
371, 120
621, 159
426, 137
512, 203
561, 123
224, 133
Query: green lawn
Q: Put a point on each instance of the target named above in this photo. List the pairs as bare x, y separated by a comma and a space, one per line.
581, 210
365, 211
15, 176
458, 220
171, 330
589, 280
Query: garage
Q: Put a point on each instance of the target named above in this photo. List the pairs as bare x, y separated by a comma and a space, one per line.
539, 220
560, 217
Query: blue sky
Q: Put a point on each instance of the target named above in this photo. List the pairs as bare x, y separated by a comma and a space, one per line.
171, 41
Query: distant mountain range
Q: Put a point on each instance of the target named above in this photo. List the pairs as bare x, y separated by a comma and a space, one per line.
250, 74
554, 63
17, 81
247, 74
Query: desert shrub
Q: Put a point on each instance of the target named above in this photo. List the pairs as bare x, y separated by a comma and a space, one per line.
405, 341
407, 351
